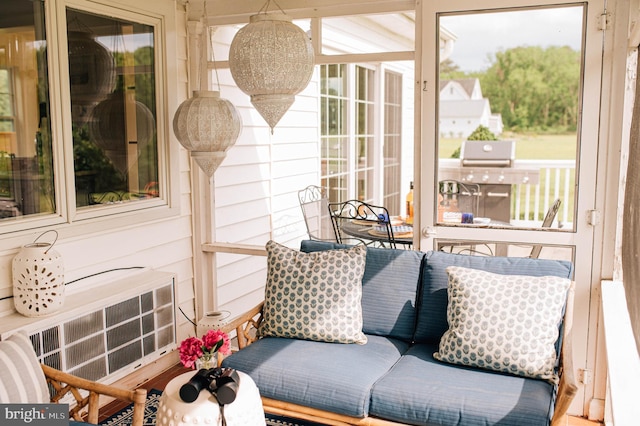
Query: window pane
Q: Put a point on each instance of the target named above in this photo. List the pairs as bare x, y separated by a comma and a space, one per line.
334, 141
508, 116
365, 151
351, 99
112, 80
339, 41
392, 142
26, 172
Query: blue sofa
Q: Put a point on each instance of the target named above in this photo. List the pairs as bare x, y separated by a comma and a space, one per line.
394, 378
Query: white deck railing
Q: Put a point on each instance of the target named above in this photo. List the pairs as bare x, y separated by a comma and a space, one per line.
530, 202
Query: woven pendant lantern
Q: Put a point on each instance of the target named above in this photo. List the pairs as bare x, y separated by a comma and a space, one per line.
108, 124
271, 60
92, 73
207, 126
108, 127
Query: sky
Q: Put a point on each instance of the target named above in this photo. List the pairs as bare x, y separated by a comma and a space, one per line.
485, 33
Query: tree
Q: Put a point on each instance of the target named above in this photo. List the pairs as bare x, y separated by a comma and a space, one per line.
534, 88
482, 133
449, 70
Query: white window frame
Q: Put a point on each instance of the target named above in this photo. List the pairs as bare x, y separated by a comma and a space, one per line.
67, 219
378, 133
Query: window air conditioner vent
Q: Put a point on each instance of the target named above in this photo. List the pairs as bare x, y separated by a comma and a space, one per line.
106, 332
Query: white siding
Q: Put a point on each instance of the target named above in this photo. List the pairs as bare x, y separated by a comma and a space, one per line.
257, 184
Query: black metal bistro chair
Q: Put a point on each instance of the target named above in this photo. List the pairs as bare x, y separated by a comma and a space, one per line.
357, 220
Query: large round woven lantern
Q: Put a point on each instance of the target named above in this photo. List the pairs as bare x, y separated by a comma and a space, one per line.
92, 72
207, 126
108, 127
271, 60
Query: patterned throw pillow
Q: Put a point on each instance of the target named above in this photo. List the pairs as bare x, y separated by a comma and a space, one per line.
314, 296
506, 323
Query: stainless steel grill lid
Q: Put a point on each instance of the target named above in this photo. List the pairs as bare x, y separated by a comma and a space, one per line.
488, 153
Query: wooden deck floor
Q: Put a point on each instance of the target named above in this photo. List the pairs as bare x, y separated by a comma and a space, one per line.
160, 381
157, 382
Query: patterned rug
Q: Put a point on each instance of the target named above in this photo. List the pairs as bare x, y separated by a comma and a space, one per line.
123, 417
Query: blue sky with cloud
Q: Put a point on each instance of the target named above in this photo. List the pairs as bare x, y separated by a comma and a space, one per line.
481, 34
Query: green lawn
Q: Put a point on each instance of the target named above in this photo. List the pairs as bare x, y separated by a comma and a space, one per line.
532, 147
528, 147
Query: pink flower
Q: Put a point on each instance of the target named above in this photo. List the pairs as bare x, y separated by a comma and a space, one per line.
190, 351
216, 340
192, 348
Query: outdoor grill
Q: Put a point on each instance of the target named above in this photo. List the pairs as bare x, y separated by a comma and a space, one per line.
488, 166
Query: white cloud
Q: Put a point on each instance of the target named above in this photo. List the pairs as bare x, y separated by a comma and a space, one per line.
483, 34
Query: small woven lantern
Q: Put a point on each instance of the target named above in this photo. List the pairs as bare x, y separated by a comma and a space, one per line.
207, 126
271, 60
38, 279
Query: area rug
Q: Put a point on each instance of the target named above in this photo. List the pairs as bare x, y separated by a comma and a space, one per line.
123, 417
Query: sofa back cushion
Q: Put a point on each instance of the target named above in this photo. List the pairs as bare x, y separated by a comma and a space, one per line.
389, 289
432, 303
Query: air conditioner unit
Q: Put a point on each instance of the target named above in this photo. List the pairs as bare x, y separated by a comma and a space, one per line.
107, 331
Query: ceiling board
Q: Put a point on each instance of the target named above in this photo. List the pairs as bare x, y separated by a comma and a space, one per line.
224, 12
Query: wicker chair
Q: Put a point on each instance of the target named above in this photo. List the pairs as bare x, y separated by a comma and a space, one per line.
24, 380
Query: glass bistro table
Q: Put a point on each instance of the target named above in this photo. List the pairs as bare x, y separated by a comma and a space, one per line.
372, 231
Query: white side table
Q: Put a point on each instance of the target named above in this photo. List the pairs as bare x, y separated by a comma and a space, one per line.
246, 410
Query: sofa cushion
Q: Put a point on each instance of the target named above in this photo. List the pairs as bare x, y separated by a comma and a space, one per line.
336, 378
432, 304
22, 380
314, 296
505, 323
389, 289
419, 390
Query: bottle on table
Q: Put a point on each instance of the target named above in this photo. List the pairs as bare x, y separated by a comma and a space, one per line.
409, 199
448, 209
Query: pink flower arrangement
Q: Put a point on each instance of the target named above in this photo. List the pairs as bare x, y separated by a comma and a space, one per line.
193, 349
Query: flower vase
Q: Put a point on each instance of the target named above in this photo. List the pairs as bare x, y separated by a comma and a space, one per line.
207, 363
38, 279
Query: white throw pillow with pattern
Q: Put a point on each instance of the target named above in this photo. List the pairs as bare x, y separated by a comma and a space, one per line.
506, 323
314, 296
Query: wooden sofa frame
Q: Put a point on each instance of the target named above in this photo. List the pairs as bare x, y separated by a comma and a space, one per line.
87, 408
247, 324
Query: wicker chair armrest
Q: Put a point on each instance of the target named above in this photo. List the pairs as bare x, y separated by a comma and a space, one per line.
87, 407
246, 325
568, 386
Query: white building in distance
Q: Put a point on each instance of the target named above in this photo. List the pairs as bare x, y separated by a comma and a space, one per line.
463, 109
